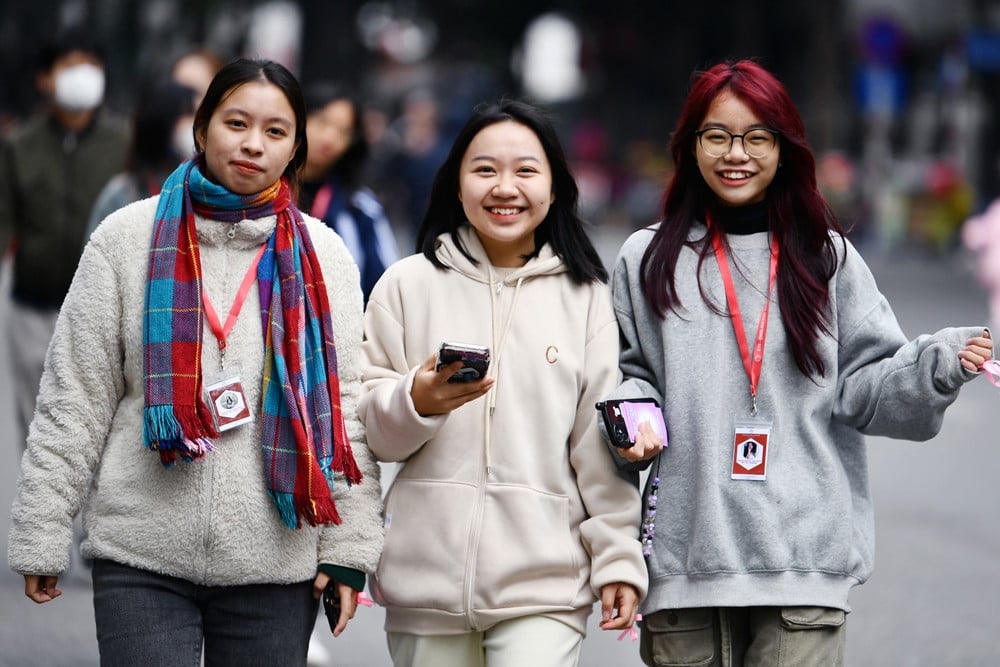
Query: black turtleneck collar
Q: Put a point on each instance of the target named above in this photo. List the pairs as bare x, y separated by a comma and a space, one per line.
740, 220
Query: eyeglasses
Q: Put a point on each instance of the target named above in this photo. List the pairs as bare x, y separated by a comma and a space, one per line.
717, 142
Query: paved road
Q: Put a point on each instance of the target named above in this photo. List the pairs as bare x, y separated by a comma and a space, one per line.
934, 600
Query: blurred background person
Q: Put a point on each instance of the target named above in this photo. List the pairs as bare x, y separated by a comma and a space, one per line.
195, 69
51, 171
419, 145
162, 138
331, 187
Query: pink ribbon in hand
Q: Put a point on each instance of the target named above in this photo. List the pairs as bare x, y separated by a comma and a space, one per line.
992, 369
630, 632
365, 601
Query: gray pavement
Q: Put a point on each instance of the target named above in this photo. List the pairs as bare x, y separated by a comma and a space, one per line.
934, 598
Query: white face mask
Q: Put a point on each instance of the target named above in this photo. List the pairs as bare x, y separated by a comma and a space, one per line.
79, 87
183, 141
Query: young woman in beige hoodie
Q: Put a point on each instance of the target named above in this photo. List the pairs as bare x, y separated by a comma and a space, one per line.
507, 519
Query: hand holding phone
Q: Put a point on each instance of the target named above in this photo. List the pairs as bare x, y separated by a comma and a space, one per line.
622, 418
475, 360
331, 604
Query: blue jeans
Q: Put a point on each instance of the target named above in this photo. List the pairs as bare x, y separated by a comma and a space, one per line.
151, 619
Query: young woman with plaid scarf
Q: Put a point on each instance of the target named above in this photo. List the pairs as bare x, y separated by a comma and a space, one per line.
221, 469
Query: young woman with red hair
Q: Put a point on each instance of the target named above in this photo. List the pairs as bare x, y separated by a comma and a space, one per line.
760, 330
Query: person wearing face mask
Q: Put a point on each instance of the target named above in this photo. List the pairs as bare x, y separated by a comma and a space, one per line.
51, 171
162, 138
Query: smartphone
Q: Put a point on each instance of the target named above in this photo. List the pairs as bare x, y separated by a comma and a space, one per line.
476, 360
331, 604
622, 418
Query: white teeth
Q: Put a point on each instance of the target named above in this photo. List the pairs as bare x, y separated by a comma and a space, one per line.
503, 211
735, 174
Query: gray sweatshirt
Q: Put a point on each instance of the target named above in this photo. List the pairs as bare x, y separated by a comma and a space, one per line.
804, 535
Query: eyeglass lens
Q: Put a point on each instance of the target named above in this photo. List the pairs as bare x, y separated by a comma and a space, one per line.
716, 142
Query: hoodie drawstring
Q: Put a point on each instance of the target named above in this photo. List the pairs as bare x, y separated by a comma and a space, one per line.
498, 346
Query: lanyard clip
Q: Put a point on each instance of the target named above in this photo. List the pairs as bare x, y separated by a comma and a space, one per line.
753, 405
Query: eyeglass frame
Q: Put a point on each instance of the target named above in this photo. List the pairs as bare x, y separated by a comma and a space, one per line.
732, 140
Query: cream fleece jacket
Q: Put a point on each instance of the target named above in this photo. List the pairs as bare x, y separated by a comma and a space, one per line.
210, 522
510, 505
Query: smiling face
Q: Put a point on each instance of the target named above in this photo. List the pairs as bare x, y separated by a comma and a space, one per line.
736, 178
250, 138
505, 186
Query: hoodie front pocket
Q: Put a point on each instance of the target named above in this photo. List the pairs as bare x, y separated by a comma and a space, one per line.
527, 554
424, 560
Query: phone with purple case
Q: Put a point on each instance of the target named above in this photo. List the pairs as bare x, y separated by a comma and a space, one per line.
623, 416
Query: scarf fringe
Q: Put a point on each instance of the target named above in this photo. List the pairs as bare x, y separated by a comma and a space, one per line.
315, 511
176, 433
343, 462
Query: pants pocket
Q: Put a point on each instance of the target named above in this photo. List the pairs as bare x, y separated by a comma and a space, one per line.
678, 638
812, 636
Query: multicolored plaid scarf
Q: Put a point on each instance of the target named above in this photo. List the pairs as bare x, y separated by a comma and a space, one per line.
304, 438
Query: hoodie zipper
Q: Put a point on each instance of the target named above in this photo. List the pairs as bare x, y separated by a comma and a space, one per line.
497, 287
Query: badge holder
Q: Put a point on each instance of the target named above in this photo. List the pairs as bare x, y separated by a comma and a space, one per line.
225, 398
750, 445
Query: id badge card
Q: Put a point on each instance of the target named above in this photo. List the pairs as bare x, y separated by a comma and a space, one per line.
750, 445
225, 398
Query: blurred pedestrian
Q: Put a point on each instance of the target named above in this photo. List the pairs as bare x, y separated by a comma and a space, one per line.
759, 518
208, 513
162, 138
420, 148
195, 68
51, 171
507, 518
332, 188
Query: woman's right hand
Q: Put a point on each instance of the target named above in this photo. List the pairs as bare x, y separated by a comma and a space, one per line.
41, 588
648, 444
432, 394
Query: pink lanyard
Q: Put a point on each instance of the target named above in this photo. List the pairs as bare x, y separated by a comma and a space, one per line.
321, 202
752, 364
221, 331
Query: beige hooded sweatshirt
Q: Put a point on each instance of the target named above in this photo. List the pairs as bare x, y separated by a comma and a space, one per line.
510, 505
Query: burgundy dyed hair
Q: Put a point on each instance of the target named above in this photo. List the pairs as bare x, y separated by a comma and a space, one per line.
798, 216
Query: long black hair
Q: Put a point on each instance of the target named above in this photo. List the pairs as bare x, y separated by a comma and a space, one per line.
161, 104
563, 227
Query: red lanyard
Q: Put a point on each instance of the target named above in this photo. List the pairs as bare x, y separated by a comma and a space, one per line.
751, 364
222, 331
321, 202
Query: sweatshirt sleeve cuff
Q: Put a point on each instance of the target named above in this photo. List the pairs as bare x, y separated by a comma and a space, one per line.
345, 575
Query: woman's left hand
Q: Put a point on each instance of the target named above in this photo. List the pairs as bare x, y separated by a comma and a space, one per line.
648, 444
348, 600
976, 352
624, 598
